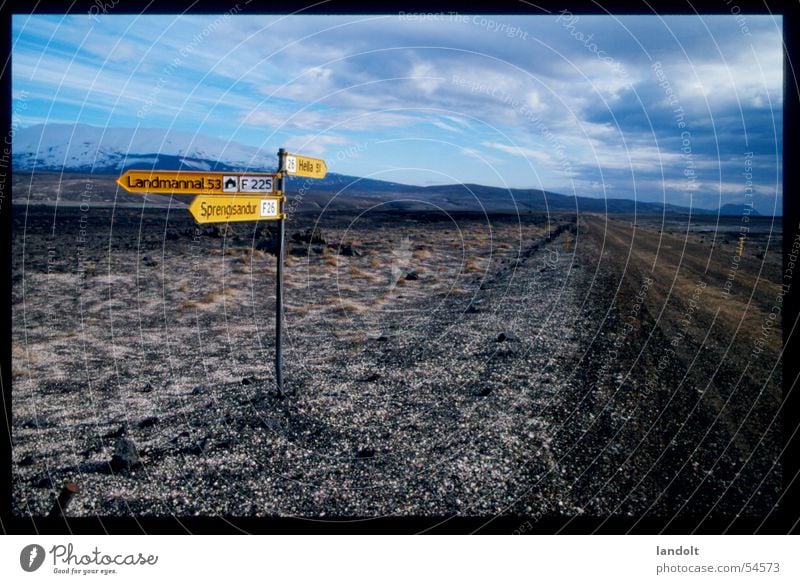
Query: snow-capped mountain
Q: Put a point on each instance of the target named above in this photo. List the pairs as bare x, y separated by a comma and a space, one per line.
83, 148
90, 149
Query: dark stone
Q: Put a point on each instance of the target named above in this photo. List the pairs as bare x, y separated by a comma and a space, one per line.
484, 392
505, 337
412, 276
382, 339
269, 245
373, 377
262, 231
27, 460
37, 422
363, 453
94, 466
94, 449
45, 483
148, 261
318, 250
148, 422
172, 235
273, 424
348, 250
199, 447
221, 230
248, 380
122, 430
298, 252
224, 444
472, 309
313, 236
200, 389
125, 455
148, 387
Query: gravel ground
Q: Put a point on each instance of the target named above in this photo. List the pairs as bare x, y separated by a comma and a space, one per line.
442, 372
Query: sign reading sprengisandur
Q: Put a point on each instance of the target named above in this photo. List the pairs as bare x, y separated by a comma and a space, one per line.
65, 560
216, 209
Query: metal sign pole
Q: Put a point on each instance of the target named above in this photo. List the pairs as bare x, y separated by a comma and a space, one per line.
279, 281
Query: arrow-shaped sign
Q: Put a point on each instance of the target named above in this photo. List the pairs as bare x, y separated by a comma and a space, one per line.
214, 209
179, 182
297, 165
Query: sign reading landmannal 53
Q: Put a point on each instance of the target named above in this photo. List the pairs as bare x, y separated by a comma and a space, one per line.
179, 182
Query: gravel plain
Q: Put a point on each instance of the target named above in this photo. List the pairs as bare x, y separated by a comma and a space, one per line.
435, 365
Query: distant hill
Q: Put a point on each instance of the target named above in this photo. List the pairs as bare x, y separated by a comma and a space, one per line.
89, 149
733, 209
107, 152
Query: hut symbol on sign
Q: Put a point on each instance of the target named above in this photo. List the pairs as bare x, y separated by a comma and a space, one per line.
230, 184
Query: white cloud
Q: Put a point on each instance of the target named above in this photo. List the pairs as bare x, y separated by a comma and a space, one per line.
522, 151
445, 126
315, 144
426, 77
324, 121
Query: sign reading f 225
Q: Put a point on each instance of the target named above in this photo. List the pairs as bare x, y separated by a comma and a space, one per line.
179, 182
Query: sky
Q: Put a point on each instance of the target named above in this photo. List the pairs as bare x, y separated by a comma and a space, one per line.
682, 109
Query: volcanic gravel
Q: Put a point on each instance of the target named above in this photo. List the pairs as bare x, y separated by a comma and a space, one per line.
483, 393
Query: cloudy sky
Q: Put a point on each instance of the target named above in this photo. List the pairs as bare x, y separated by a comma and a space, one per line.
645, 107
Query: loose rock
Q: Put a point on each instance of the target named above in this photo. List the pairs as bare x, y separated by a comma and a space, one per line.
125, 455
148, 422
348, 250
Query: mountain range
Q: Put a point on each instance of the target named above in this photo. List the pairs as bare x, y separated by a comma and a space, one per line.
85, 149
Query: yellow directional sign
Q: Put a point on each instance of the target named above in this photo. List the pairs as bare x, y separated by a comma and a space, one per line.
180, 182
297, 165
215, 209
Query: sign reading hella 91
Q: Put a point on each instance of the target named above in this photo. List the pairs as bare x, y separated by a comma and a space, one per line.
297, 165
213, 209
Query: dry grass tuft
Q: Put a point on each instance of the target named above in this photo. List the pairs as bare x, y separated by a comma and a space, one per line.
351, 307
360, 274
211, 298
472, 266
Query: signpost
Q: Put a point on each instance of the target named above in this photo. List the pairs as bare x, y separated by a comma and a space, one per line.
226, 197
279, 286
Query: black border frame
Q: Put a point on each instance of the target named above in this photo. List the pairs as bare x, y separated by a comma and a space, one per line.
783, 521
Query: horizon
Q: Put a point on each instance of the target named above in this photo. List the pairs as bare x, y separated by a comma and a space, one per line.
657, 109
